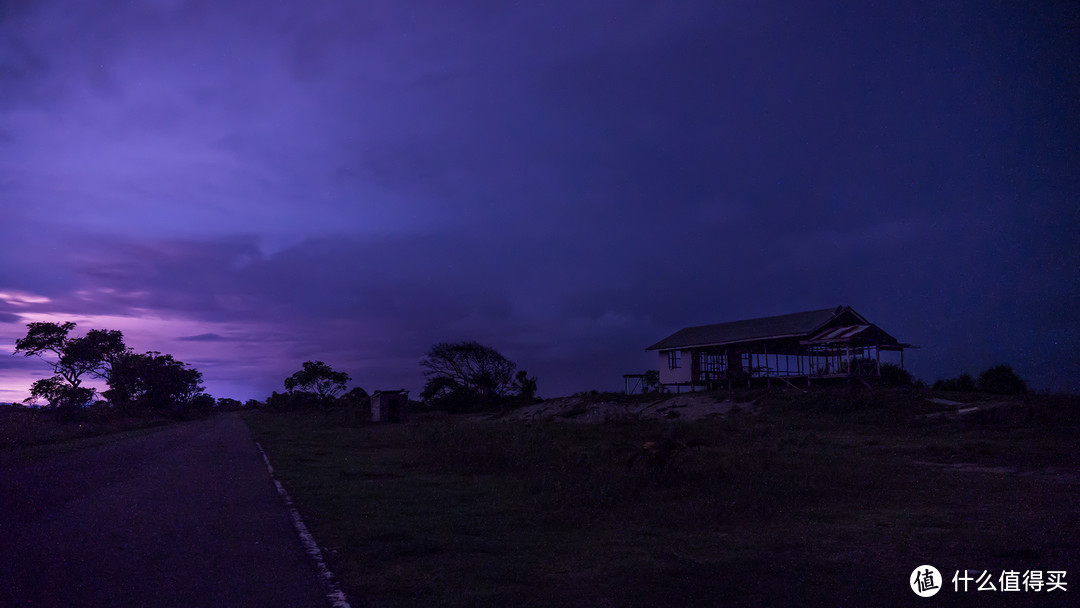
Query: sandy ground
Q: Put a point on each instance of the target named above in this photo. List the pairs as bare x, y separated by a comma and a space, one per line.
689, 406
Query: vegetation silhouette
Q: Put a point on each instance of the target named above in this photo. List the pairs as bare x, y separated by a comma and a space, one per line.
1001, 380
319, 378
468, 376
137, 382
998, 380
317, 385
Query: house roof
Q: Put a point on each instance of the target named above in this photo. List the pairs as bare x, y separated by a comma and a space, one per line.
781, 326
838, 334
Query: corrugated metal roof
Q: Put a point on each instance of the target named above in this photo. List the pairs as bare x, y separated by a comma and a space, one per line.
795, 324
838, 334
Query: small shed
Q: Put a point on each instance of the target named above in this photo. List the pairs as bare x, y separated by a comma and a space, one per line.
389, 406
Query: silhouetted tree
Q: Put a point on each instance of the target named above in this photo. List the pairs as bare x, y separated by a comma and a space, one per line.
71, 360
465, 375
149, 381
59, 394
1001, 380
154, 381
319, 378
525, 386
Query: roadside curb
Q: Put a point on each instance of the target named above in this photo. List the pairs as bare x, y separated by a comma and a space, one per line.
333, 591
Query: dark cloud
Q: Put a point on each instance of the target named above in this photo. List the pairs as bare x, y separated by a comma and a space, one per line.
569, 183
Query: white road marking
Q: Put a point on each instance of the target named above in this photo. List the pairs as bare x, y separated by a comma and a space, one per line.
333, 591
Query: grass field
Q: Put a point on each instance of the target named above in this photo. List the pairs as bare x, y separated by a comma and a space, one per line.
28, 434
824, 498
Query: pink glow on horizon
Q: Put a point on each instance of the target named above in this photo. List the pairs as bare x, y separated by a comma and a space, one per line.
144, 332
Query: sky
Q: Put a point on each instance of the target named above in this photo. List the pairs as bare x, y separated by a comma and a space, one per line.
249, 185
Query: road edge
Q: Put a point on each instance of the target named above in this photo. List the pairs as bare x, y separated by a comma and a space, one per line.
333, 590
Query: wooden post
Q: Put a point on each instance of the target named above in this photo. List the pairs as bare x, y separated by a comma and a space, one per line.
768, 378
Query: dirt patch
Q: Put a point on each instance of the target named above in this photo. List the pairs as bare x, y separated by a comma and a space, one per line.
960, 409
1049, 474
669, 407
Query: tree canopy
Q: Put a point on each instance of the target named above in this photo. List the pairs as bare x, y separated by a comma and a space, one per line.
147, 381
319, 378
72, 358
468, 375
155, 381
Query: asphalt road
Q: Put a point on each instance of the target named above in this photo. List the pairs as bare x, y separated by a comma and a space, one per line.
186, 517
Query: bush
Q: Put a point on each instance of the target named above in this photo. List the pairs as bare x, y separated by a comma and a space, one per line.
225, 404
1001, 380
293, 400
894, 375
357, 402
203, 404
963, 383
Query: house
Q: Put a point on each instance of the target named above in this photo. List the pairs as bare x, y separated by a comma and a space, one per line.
829, 343
389, 406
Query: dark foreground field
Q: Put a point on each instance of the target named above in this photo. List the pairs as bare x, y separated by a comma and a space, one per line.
28, 434
820, 499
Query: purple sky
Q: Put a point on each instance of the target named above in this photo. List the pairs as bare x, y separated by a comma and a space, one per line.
248, 185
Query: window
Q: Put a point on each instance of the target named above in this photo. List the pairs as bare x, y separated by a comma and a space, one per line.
712, 366
673, 359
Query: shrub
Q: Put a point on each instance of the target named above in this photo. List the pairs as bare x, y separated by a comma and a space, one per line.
962, 383
225, 404
357, 403
1001, 380
203, 403
894, 375
292, 400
